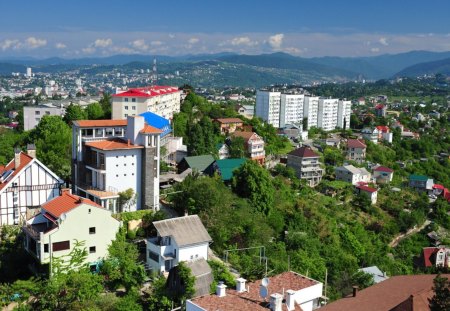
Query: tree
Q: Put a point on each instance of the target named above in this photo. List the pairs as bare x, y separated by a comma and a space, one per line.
237, 147
185, 289
73, 113
253, 182
441, 299
105, 103
127, 198
94, 111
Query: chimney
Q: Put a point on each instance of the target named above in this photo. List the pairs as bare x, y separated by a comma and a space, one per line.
31, 150
66, 190
276, 302
290, 301
240, 285
16, 158
355, 290
220, 289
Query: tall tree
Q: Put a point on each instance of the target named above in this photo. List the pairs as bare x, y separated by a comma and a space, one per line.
237, 147
94, 111
73, 113
105, 103
441, 299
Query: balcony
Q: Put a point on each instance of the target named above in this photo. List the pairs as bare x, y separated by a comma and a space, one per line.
106, 192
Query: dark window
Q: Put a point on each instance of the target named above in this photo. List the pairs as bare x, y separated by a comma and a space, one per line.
153, 256
61, 246
92, 249
92, 230
46, 248
89, 211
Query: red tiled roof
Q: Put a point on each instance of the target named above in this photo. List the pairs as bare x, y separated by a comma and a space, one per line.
99, 123
383, 169
149, 91
148, 129
383, 128
386, 295
379, 106
246, 135
355, 143
229, 120
113, 144
366, 188
438, 186
303, 152
25, 159
64, 203
427, 254
251, 300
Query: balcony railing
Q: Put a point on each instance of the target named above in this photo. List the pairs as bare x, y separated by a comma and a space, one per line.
87, 187
97, 166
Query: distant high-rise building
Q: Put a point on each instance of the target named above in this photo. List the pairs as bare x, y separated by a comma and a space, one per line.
310, 110
29, 73
327, 114
344, 112
268, 107
291, 109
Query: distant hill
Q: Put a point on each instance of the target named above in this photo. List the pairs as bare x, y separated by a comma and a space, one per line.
439, 66
7, 68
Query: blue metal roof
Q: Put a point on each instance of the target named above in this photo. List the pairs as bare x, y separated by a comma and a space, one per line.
158, 122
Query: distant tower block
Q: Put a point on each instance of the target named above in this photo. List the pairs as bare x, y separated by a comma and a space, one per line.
154, 77
29, 73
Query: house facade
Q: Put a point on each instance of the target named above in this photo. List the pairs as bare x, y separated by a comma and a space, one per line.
268, 106
63, 221
370, 134
306, 164
421, 183
310, 110
112, 156
247, 111
254, 146
344, 113
352, 174
162, 100
223, 151
383, 174
436, 256
178, 239
372, 193
356, 150
229, 125
327, 115
291, 109
25, 184
32, 115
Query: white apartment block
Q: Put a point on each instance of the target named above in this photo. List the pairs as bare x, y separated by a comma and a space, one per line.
268, 107
344, 113
327, 114
111, 156
291, 109
162, 100
32, 115
310, 110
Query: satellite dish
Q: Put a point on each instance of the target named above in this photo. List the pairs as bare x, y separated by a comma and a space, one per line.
263, 291
265, 282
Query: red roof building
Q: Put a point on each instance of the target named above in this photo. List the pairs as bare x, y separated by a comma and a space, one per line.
306, 164
369, 191
356, 150
229, 125
436, 256
254, 145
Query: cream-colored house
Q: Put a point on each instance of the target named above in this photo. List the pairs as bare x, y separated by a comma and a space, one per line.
65, 220
352, 174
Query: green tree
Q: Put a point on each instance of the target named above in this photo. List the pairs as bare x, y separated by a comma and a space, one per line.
237, 147
95, 111
73, 113
441, 299
106, 102
185, 289
253, 182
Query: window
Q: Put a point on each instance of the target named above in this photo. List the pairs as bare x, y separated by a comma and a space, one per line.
125, 175
47, 112
133, 107
132, 174
37, 113
92, 230
46, 248
89, 211
61, 246
92, 249
126, 99
38, 119
153, 256
117, 175
126, 115
126, 107
133, 100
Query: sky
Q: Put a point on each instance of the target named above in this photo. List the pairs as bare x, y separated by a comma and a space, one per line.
314, 28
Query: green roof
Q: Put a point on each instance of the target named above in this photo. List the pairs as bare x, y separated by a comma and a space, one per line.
418, 177
200, 163
227, 166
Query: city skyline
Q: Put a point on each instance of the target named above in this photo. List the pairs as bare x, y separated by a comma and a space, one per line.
323, 28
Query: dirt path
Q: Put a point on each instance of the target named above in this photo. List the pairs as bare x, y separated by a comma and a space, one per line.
411, 231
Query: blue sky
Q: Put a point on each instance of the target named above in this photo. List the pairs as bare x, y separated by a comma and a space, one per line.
305, 28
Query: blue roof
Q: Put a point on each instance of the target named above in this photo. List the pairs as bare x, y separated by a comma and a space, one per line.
158, 122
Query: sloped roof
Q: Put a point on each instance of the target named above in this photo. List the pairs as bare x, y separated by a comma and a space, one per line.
386, 295
185, 230
157, 121
200, 162
149, 91
64, 203
113, 144
25, 159
366, 188
303, 152
148, 129
227, 166
376, 273
355, 143
429, 255
203, 276
354, 170
383, 169
418, 177
99, 123
383, 128
229, 120
245, 135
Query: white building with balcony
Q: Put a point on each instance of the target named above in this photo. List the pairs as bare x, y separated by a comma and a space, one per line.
291, 109
344, 113
254, 145
306, 164
178, 239
327, 114
162, 100
62, 222
112, 156
310, 110
268, 107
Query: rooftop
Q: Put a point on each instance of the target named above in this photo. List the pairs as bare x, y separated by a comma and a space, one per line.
366, 188
25, 159
418, 177
64, 203
383, 169
227, 166
149, 91
229, 120
303, 152
355, 143
199, 163
148, 129
113, 144
99, 123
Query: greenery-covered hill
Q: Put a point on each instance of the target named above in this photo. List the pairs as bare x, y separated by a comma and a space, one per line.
428, 68
7, 68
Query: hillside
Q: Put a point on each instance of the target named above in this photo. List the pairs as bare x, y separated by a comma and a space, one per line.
440, 66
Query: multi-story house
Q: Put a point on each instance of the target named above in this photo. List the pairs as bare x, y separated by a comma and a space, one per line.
178, 239
229, 125
25, 184
352, 174
291, 109
247, 111
310, 110
370, 134
356, 150
62, 222
112, 156
380, 110
162, 100
436, 256
32, 115
372, 193
268, 107
383, 174
421, 183
254, 146
306, 164
223, 151
327, 114
344, 113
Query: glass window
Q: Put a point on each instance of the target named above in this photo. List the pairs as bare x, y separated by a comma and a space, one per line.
126, 99
37, 113
133, 100
92, 249
126, 107
92, 230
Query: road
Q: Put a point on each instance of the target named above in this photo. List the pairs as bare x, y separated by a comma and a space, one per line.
411, 231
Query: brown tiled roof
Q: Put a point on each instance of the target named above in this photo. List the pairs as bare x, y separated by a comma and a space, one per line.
245, 135
113, 144
388, 295
251, 300
25, 159
366, 188
355, 143
148, 129
384, 169
99, 123
304, 152
229, 120
64, 203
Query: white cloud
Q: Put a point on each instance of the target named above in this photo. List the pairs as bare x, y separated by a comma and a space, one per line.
294, 50
194, 40
157, 43
276, 41
171, 36
140, 45
9, 44
88, 50
374, 50
34, 43
60, 45
243, 41
122, 50
102, 43
383, 41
